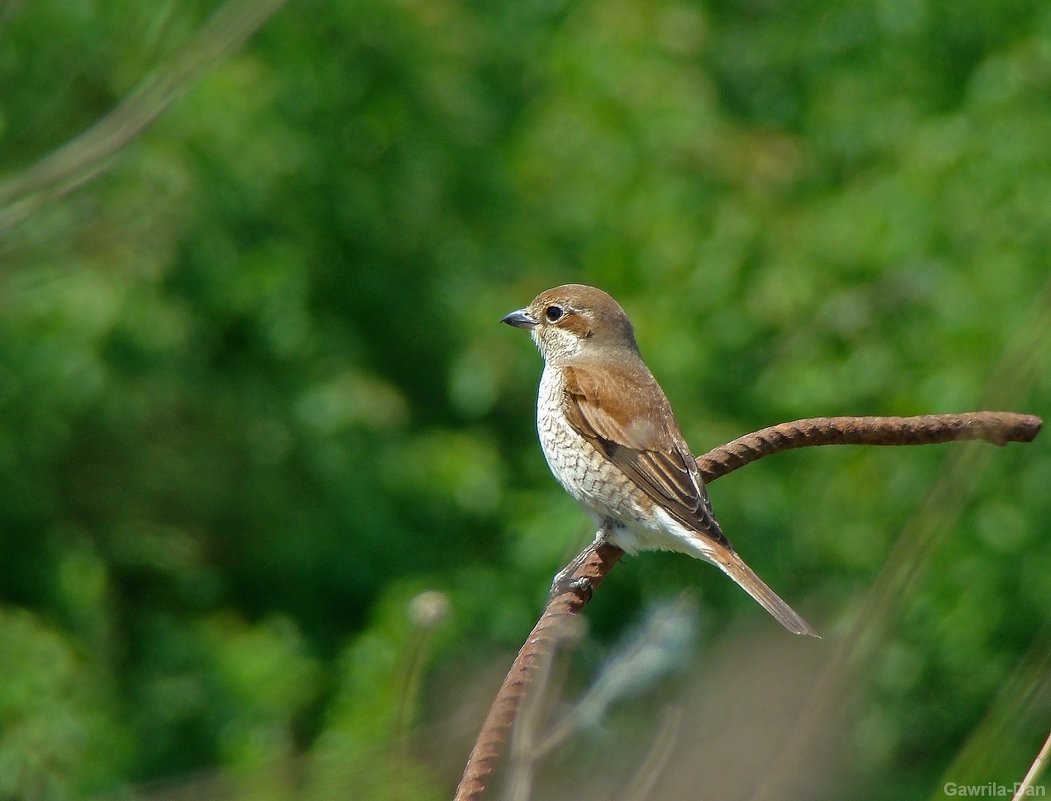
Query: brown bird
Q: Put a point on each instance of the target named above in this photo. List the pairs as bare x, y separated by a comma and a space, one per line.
612, 441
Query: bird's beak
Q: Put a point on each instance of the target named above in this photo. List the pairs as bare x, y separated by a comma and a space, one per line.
519, 319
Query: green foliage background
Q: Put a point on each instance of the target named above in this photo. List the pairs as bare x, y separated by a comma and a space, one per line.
254, 397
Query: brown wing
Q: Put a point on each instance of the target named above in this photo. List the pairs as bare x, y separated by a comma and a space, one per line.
624, 414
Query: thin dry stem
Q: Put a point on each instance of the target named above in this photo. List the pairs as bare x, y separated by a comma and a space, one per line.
1033, 772
595, 562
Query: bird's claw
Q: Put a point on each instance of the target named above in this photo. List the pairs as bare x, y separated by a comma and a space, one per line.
566, 582
580, 586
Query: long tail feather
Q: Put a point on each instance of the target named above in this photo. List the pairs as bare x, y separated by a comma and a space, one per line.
733, 566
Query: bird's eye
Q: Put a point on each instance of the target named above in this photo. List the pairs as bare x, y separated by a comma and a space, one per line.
553, 313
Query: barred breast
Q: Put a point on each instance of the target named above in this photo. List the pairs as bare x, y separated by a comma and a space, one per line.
584, 472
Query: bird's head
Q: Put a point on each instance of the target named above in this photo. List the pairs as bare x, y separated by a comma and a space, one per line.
575, 323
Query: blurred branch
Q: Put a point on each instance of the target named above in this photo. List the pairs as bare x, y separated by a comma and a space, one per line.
596, 561
659, 754
661, 642
1022, 788
84, 157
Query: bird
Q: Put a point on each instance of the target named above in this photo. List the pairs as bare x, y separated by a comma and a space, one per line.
612, 441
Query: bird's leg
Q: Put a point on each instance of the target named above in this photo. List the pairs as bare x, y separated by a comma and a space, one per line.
564, 578
565, 582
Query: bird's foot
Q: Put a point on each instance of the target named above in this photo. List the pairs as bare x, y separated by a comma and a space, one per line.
566, 580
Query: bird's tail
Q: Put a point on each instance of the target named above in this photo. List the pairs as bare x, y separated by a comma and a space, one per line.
733, 566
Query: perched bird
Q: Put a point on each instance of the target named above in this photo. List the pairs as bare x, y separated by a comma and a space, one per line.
613, 443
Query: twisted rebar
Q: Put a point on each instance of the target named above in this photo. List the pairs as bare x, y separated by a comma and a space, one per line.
996, 428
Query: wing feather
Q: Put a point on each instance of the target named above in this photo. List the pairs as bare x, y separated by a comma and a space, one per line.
627, 417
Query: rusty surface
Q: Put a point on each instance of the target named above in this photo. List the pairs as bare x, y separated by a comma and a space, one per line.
997, 428
594, 564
